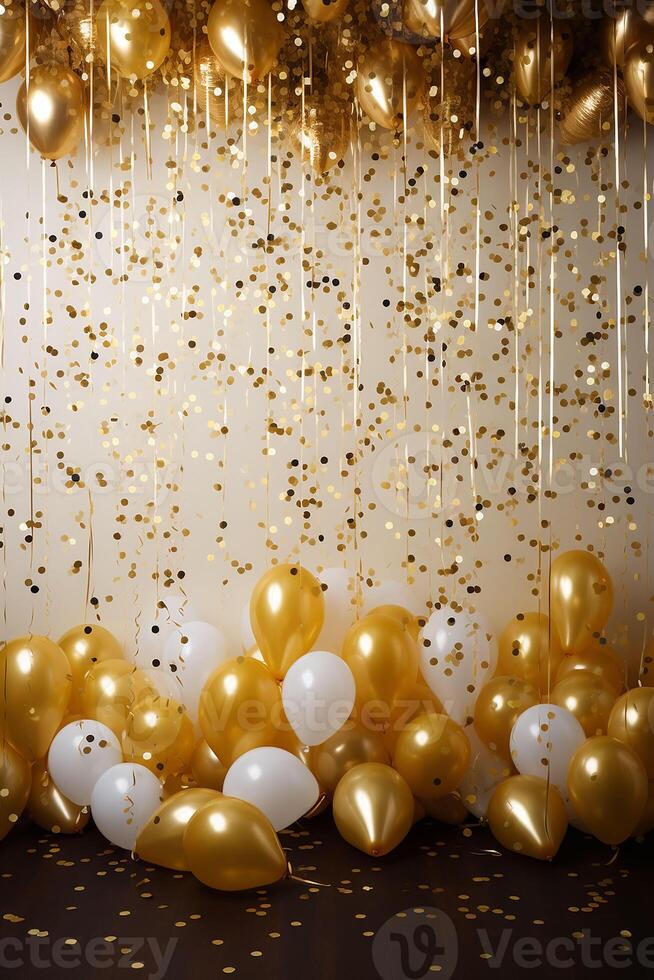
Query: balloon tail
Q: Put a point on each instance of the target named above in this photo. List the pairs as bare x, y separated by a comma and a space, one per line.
305, 881
616, 852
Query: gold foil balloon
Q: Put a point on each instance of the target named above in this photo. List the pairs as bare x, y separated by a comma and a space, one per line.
349, 747
245, 36
15, 782
535, 55
206, 768
618, 34
13, 38
324, 11
52, 110
600, 660
321, 136
373, 808
432, 754
500, 703
639, 79
239, 707
86, 646
213, 92
161, 840
529, 648
632, 722
452, 18
588, 697
608, 788
287, 610
34, 693
50, 809
448, 809
590, 114
528, 815
406, 619
159, 735
581, 599
383, 656
111, 688
389, 82
229, 844
133, 36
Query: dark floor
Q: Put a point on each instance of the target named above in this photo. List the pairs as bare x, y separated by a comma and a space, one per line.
444, 904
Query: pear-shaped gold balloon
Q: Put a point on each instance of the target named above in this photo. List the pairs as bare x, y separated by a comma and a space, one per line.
639, 78
85, 646
432, 754
527, 815
15, 782
229, 844
529, 648
50, 809
543, 49
161, 839
588, 697
324, 11
608, 788
598, 659
590, 114
500, 703
158, 735
112, 687
632, 722
449, 18
373, 808
245, 36
383, 656
206, 768
287, 610
133, 36
34, 693
349, 747
581, 599
389, 82
51, 110
13, 38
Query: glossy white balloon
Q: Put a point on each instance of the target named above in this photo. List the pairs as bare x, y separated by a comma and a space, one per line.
276, 782
458, 654
79, 754
485, 773
543, 740
340, 612
318, 696
390, 593
123, 800
193, 652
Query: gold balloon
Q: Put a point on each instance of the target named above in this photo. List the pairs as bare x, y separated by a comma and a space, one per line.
432, 754
534, 54
600, 660
214, 93
608, 788
383, 656
321, 137
50, 809
373, 808
590, 114
52, 110
159, 735
449, 809
86, 646
632, 722
456, 18
229, 844
619, 34
581, 599
207, 769
500, 703
418, 700
349, 747
639, 79
389, 82
34, 693
112, 687
239, 706
13, 38
588, 697
529, 648
161, 839
15, 782
78, 26
287, 610
406, 619
646, 822
245, 36
133, 36
528, 815
324, 11
467, 45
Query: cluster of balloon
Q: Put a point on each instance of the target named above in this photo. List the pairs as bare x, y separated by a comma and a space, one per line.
543, 51
627, 45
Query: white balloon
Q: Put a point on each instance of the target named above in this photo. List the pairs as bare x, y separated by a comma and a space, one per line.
123, 800
248, 639
79, 754
485, 773
458, 654
340, 612
390, 593
275, 781
318, 696
543, 740
192, 653
157, 626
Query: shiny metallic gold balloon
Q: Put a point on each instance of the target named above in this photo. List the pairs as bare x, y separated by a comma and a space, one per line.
590, 114
206, 768
161, 839
239, 708
159, 735
448, 809
324, 11
453, 18
373, 808
133, 36
383, 656
112, 687
632, 722
528, 815
600, 660
50, 809
13, 39
432, 755
229, 844
403, 616
500, 703
349, 747
581, 599
15, 782
588, 697
389, 82
321, 136
535, 54
287, 610
646, 822
608, 788
246, 37
529, 648
85, 646
619, 33
214, 93
34, 693
52, 110
639, 79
